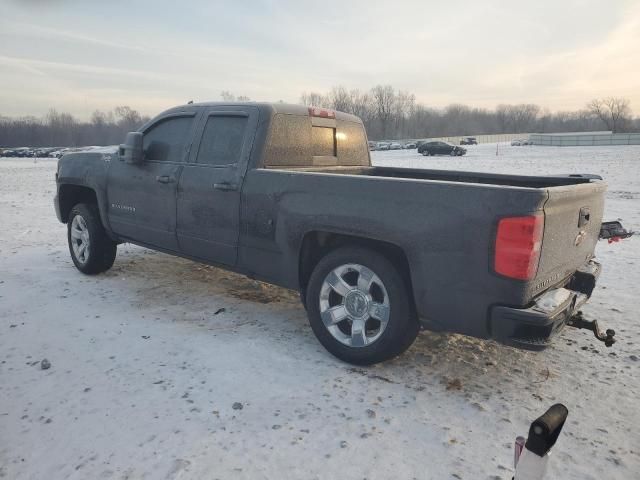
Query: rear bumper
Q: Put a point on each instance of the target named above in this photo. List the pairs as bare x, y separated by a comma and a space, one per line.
534, 327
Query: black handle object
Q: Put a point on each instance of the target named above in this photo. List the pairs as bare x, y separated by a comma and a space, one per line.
613, 230
225, 186
544, 431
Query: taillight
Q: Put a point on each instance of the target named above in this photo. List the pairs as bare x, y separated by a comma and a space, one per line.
321, 112
518, 244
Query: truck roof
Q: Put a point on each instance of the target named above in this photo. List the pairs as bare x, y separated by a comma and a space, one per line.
272, 107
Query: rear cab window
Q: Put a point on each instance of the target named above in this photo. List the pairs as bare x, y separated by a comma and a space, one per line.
297, 141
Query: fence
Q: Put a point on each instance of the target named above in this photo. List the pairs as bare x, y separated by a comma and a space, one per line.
585, 139
496, 138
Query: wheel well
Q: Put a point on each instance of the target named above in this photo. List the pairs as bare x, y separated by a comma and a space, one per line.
316, 245
70, 195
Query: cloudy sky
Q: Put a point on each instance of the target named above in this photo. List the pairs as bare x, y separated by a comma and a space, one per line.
82, 55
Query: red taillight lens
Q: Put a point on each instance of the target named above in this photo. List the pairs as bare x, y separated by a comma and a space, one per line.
518, 244
321, 112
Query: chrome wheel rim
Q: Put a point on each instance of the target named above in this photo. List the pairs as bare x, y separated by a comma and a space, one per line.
354, 305
80, 242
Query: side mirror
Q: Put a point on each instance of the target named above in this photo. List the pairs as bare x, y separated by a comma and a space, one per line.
131, 149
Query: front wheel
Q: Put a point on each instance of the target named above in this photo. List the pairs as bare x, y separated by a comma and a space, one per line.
359, 306
425, 153
92, 251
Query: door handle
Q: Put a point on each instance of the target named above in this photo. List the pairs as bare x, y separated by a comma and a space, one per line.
585, 216
165, 179
226, 186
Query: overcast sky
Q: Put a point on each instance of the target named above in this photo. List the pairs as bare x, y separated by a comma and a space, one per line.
82, 55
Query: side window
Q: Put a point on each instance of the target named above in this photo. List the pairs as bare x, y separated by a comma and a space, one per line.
165, 140
352, 147
222, 140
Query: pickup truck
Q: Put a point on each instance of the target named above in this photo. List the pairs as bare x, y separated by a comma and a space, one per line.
286, 194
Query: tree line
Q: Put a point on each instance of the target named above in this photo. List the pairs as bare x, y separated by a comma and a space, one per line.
386, 112
60, 129
394, 114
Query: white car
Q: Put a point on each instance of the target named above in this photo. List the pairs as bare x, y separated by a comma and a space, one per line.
395, 146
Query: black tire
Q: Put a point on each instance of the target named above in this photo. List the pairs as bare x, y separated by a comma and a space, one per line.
102, 250
402, 326
425, 153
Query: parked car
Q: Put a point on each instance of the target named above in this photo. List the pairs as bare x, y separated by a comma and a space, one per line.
518, 142
395, 146
469, 141
441, 148
262, 189
409, 146
372, 146
384, 146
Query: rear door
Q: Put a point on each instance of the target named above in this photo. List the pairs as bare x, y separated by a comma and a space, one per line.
209, 190
142, 198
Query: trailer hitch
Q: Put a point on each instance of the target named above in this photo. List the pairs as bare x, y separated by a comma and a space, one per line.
578, 321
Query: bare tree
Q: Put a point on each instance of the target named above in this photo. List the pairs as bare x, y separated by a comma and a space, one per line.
614, 112
128, 118
340, 99
314, 99
383, 100
362, 104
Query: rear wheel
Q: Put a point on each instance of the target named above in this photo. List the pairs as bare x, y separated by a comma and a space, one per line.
92, 251
359, 306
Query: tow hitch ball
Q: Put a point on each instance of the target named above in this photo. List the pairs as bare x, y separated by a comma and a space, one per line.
578, 321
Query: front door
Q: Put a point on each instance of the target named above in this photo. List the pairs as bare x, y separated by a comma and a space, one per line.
208, 219
142, 198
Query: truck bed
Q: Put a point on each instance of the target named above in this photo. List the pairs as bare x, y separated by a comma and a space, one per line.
445, 221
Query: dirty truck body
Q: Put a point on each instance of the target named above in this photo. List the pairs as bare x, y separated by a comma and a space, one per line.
287, 195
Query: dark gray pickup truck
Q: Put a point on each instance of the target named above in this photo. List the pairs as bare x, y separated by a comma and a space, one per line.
287, 194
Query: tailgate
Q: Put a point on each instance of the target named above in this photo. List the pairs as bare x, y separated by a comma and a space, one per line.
573, 214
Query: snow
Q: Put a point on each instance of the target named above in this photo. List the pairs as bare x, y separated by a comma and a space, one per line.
144, 374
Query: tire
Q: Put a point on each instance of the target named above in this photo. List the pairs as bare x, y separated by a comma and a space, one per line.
384, 310
84, 227
453, 153
425, 153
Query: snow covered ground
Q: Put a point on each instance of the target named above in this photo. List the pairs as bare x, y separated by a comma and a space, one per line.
166, 369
